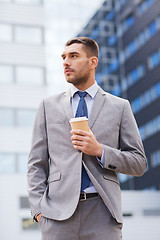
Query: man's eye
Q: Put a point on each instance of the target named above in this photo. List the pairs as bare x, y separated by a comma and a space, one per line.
73, 56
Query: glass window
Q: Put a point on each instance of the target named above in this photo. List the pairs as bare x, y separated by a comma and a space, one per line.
142, 132
7, 163
137, 104
32, 2
114, 65
6, 32
30, 76
157, 90
28, 224
95, 32
110, 16
127, 23
149, 2
150, 128
25, 117
30, 35
117, 90
105, 28
146, 98
141, 39
158, 123
130, 21
154, 60
122, 177
132, 47
155, 158
6, 117
112, 40
22, 162
5, 1
24, 202
144, 6
152, 29
141, 7
6, 74
141, 71
134, 76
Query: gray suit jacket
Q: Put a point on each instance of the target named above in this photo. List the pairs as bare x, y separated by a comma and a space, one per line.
54, 167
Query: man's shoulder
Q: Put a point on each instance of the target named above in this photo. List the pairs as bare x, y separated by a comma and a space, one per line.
55, 98
112, 98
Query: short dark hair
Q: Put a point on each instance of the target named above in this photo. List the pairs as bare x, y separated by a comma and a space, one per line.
90, 45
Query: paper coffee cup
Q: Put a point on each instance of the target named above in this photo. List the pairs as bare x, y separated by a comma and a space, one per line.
79, 123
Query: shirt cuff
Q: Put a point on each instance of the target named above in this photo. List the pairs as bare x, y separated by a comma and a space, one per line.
101, 160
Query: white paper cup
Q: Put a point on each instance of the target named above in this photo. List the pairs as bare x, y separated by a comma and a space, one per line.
79, 123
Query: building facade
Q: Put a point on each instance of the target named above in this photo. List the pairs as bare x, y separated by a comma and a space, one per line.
22, 86
101, 28
132, 71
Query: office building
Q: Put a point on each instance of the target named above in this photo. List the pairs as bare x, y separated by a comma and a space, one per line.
22, 86
101, 28
131, 70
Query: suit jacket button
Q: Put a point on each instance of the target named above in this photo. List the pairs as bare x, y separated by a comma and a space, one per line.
111, 166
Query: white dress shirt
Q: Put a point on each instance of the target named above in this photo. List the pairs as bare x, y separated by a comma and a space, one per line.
89, 98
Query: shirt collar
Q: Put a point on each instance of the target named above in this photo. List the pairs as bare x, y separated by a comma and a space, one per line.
91, 90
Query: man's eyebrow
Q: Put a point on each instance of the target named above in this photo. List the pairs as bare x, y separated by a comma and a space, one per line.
70, 53
74, 53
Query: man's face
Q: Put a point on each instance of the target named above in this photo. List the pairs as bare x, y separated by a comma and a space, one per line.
76, 64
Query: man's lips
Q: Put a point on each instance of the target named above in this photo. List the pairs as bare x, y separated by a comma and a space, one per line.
68, 71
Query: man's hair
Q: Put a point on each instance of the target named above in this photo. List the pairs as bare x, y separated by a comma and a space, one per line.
91, 46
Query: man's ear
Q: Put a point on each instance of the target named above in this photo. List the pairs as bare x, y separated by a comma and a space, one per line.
93, 62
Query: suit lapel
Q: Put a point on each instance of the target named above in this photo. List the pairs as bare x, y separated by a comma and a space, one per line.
67, 105
97, 107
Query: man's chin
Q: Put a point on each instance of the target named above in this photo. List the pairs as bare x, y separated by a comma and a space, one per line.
70, 80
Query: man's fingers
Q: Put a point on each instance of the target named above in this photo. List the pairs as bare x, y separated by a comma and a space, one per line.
80, 132
78, 137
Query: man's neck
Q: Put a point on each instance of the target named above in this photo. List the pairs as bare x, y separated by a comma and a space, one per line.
85, 86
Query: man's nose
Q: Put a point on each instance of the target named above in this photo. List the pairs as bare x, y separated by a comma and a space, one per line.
66, 62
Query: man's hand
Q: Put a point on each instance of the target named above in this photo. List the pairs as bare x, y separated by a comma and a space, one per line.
86, 142
39, 217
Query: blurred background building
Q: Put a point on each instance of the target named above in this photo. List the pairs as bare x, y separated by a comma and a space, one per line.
128, 33
22, 86
32, 38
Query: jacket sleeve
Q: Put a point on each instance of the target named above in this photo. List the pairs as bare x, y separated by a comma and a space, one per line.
130, 157
38, 162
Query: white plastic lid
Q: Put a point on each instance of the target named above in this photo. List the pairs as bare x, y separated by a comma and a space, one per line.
78, 119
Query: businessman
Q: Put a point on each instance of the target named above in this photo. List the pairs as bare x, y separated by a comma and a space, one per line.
73, 188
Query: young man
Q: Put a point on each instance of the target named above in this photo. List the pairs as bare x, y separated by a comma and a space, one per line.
73, 187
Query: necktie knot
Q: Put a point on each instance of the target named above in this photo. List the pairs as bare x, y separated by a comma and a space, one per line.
82, 94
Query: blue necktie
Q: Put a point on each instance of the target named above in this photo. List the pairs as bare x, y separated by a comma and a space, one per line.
81, 112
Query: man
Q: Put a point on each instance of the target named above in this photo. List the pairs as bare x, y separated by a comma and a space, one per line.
60, 202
